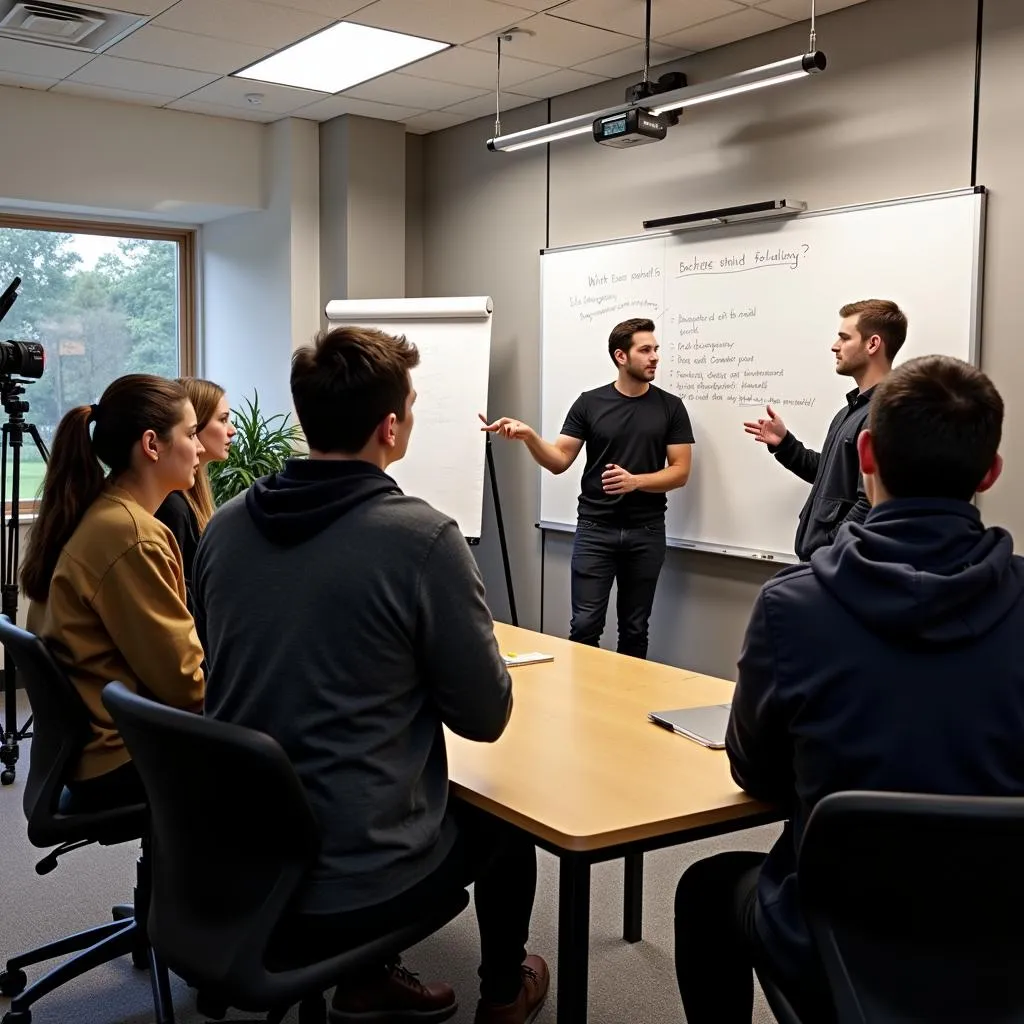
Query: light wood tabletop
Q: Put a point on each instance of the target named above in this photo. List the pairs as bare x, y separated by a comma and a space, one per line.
580, 765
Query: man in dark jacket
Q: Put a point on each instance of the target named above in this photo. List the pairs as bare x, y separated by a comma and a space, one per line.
870, 335
852, 676
348, 621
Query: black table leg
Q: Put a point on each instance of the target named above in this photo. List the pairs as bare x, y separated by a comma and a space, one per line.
573, 937
633, 897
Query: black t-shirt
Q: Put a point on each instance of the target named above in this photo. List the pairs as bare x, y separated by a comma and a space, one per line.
629, 432
177, 515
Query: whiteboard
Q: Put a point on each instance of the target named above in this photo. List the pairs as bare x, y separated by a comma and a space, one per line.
445, 462
746, 314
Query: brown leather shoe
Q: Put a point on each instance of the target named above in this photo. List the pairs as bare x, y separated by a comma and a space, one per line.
392, 995
536, 980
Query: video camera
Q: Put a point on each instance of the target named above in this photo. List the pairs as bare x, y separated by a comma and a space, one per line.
19, 358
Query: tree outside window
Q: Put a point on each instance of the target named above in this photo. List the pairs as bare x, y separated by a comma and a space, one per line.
101, 306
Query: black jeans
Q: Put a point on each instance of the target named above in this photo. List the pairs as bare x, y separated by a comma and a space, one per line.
632, 556
718, 946
500, 860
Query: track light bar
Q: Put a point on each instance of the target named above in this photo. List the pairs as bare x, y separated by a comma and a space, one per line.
690, 95
756, 78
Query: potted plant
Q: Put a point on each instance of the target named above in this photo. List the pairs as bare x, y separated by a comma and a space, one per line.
259, 447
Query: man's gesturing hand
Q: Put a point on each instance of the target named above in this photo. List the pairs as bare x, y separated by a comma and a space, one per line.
514, 430
769, 431
616, 480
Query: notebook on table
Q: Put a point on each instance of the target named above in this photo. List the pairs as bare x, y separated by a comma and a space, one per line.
512, 658
705, 725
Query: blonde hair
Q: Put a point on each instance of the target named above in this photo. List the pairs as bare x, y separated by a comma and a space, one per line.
205, 396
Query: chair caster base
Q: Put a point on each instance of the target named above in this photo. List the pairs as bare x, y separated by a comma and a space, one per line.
12, 983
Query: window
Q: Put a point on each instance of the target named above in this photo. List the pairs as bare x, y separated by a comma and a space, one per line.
104, 300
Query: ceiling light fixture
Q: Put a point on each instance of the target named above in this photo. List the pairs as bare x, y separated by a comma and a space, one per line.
690, 95
341, 57
646, 97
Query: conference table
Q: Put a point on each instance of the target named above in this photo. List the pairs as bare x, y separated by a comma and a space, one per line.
583, 771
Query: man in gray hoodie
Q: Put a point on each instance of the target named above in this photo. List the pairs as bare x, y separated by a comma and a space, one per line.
348, 621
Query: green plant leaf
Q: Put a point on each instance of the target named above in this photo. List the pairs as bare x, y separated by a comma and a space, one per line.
259, 448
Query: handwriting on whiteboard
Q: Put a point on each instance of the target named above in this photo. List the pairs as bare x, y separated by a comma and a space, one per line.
752, 259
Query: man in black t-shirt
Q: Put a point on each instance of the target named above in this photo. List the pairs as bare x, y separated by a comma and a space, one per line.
631, 429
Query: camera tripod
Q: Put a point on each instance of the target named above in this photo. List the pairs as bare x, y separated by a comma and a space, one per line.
14, 429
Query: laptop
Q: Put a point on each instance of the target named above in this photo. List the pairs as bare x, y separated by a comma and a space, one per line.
705, 725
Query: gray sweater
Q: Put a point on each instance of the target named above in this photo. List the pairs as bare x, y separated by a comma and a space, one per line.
348, 621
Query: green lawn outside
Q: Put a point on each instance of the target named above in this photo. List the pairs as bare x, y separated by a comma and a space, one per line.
32, 472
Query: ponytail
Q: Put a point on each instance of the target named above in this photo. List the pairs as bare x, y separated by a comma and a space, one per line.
74, 480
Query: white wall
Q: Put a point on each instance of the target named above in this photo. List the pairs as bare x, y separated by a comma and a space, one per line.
83, 155
261, 274
362, 209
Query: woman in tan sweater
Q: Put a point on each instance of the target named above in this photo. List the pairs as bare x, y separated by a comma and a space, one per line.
105, 578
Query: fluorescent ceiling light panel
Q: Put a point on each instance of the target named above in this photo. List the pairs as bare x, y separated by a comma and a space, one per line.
340, 57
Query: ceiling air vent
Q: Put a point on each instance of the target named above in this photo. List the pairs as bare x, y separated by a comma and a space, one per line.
77, 27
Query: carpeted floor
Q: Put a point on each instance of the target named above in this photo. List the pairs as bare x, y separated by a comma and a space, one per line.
629, 984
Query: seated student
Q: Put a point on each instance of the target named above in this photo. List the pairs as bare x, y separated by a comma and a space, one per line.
104, 578
186, 513
853, 673
367, 630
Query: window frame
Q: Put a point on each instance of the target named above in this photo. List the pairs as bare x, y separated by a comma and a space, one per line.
186, 239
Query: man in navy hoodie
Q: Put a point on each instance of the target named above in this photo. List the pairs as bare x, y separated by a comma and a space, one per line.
852, 677
348, 620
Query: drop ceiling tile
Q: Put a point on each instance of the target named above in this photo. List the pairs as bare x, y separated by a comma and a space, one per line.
454, 21
26, 81
276, 99
100, 92
558, 42
483, 106
243, 21
407, 91
186, 50
218, 110
631, 60
150, 7
336, 9
21, 58
720, 31
557, 83
627, 16
464, 66
539, 5
800, 10
335, 106
433, 121
137, 76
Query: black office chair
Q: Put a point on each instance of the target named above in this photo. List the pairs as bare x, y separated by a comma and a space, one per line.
60, 730
777, 1000
917, 906
233, 837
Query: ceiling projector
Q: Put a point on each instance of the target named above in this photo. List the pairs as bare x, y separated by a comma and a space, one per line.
633, 127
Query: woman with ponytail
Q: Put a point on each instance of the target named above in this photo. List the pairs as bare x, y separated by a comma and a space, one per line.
105, 578
186, 513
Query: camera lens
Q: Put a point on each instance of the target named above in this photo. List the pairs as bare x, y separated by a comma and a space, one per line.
22, 358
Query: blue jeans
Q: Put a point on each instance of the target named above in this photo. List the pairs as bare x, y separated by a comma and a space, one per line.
632, 556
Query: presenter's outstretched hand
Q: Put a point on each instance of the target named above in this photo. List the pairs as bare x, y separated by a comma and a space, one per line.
768, 431
505, 426
616, 480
